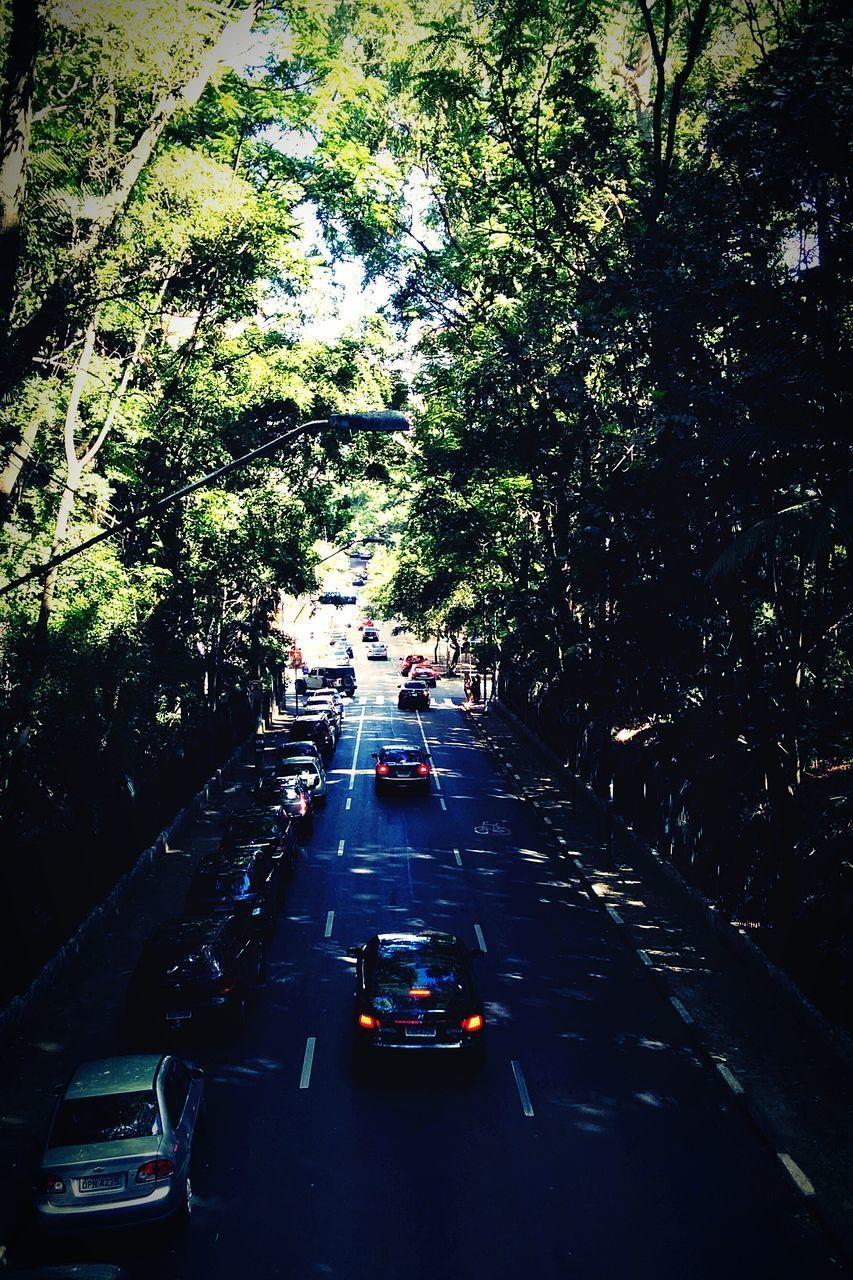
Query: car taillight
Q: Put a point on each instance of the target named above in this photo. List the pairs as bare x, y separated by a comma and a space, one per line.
154, 1169
226, 986
382, 768
49, 1184
367, 1021
419, 993
474, 1023
423, 769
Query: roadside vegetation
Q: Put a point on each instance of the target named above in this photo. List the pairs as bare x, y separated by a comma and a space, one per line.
618, 242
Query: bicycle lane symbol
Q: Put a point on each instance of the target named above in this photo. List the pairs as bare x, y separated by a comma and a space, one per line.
492, 829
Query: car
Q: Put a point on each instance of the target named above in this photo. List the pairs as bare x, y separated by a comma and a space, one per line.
369, 634
413, 693
411, 660
339, 674
366, 622
402, 766
310, 771
349, 599
331, 597
416, 994
326, 709
199, 971
315, 725
359, 580
66, 1271
120, 1144
299, 747
327, 700
425, 673
377, 651
291, 795
270, 830
246, 882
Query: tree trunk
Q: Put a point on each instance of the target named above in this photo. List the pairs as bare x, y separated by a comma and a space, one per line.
15, 135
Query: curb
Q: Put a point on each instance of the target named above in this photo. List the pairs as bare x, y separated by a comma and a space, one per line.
838, 1038
14, 1013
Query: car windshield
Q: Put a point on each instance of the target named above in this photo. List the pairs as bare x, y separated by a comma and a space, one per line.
81, 1121
221, 884
246, 830
299, 769
401, 755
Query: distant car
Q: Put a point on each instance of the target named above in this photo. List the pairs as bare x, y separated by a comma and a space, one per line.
246, 883
400, 766
413, 693
411, 660
330, 597
268, 829
377, 650
119, 1149
310, 771
197, 972
415, 993
316, 727
425, 673
369, 634
359, 580
366, 622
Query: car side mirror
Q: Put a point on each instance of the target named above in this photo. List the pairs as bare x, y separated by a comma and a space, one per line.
196, 1073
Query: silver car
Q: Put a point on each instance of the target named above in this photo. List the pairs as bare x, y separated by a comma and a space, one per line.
310, 771
120, 1145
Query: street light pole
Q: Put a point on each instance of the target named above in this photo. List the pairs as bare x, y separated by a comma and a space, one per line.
383, 420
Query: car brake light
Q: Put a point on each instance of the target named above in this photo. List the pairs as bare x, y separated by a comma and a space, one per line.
49, 1184
474, 1023
367, 1021
419, 992
382, 768
226, 986
154, 1169
423, 769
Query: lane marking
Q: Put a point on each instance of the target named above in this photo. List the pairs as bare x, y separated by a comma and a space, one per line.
480, 939
307, 1063
458, 857
561, 840
526, 1104
441, 802
330, 920
730, 1078
680, 1009
427, 750
380, 700
545, 818
341, 846
355, 749
646, 958
535, 803
614, 915
349, 802
805, 1184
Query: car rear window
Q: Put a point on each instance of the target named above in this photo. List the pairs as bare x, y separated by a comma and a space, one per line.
108, 1118
396, 976
400, 755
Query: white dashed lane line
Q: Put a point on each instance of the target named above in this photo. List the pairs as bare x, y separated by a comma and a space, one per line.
341, 847
481, 941
805, 1184
307, 1063
442, 803
330, 920
526, 1104
730, 1078
680, 1009
349, 802
458, 857
614, 915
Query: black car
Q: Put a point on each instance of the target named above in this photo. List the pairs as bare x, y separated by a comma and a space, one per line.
270, 830
399, 766
331, 597
246, 883
369, 633
197, 972
316, 727
413, 694
415, 993
297, 747
289, 794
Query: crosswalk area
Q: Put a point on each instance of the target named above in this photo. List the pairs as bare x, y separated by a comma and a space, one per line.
379, 700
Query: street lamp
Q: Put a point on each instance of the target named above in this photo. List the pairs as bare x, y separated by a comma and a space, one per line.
383, 420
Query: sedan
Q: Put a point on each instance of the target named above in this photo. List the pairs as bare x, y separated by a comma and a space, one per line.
377, 651
369, 634
197, 972
411, 660
308, 770
415, 993
120, 1144
268, 829
402, 767
413, 693
425, 673
300, 747
245, 883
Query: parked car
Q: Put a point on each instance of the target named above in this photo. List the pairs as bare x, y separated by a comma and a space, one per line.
327, 700
401, 766
299, 747
413, 694
415, 993
269, 829
411, 660
120, 1145
330, 597
291, 795
426, 673
326, 709
377, 651
246, 883
197, 972
315, 725
310, 771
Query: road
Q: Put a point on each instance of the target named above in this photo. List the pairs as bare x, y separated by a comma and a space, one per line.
594, 1144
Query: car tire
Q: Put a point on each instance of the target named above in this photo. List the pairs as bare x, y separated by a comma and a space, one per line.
184, 1214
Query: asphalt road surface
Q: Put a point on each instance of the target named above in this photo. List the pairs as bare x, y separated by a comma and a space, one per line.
593, 1145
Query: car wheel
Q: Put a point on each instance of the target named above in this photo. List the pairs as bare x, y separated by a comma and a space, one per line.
184, 1213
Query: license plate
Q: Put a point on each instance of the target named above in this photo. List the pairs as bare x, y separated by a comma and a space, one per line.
182, 1015
420, 1033
102, 1182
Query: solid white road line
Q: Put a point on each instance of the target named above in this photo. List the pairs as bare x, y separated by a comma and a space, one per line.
680, 1009
355, 749
730, 1078
458, 858
427, 750
307, 1063
526, 1104
330, 920
480, 939
341, 846
805, 1184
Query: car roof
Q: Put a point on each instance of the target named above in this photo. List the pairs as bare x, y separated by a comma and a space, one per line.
187, 933
302, 760
229, 860
396, 943
114, 1075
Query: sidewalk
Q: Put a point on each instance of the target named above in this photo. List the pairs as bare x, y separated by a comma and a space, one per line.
786, 1067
